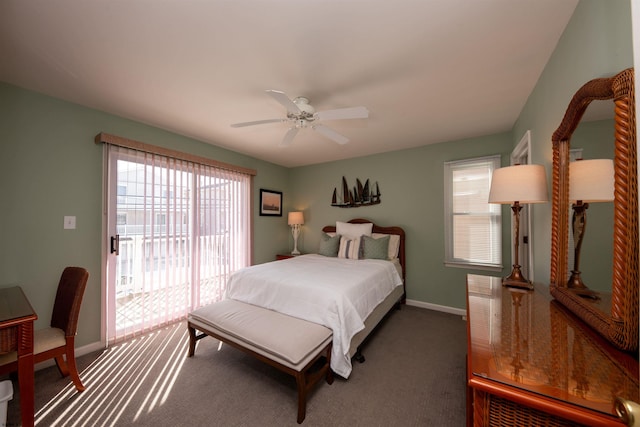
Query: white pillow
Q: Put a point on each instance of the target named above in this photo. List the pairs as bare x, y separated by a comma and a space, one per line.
352, 231
394, 243
349, 248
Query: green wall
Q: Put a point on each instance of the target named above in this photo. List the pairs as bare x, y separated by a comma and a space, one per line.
50, 167
597, 42
412, 187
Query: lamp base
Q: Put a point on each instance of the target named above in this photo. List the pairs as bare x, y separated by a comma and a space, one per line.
516, 279
579, 288
575, 281
295, 231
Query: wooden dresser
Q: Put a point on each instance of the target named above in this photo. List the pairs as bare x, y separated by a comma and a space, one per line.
530, 362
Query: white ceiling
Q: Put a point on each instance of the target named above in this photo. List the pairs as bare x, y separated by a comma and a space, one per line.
428, 71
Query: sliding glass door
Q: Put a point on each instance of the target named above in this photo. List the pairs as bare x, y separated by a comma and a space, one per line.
176, 230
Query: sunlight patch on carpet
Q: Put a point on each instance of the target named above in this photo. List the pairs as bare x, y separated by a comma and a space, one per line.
143, 369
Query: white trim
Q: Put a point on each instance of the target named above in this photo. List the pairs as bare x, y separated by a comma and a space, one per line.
494, 213
474, 266
443, 308
80, 351
90, 348
104, 239
522, 149
575, 154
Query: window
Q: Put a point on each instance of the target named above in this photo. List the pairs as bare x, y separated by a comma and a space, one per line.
473, 235
183, 225
121, 218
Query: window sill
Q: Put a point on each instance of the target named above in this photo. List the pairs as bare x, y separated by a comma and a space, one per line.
483, 267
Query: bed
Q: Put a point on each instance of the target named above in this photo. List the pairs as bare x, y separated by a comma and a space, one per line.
339, 295
335, 291
394, 298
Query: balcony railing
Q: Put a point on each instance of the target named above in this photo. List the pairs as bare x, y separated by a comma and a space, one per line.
155, 277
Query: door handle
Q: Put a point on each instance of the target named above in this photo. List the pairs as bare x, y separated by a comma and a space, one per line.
115, 244
628, 411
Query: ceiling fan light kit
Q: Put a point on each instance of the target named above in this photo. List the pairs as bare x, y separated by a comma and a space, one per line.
306, 110
301, 114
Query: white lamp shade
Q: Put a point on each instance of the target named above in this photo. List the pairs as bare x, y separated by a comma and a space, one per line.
591, 180
520, 183
296, 218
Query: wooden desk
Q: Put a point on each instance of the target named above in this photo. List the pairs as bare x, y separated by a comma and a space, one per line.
531, 362
16, 334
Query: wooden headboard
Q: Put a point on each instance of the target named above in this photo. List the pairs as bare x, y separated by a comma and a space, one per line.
383, 230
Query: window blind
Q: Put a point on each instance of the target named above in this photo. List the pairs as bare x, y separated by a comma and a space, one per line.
183, 227
472, 225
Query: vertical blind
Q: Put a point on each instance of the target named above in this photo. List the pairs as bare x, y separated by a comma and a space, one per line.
183, 228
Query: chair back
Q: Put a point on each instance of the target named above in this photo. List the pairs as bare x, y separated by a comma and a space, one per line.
68, 298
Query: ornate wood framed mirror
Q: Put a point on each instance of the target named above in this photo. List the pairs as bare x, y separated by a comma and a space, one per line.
614, 315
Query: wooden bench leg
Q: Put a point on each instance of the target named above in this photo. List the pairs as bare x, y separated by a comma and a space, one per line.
305, 379
301, 382
192, 340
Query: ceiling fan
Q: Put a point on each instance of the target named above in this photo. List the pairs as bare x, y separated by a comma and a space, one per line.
302, 115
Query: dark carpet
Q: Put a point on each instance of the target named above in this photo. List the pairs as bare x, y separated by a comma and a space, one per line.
414, 375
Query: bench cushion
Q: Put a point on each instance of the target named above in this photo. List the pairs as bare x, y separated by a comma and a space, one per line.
286, 339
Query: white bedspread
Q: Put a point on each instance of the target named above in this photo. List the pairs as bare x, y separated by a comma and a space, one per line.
334, 292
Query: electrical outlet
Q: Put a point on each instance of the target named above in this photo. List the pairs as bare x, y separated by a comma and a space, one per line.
69, 222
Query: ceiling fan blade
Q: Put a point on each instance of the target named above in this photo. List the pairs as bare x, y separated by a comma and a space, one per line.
288, 137
283, 99
343, 113
330, 133
257, 122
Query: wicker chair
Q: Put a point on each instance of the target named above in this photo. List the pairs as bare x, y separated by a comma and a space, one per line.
57, 341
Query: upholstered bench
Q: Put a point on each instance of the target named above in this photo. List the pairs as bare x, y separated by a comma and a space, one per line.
292, 345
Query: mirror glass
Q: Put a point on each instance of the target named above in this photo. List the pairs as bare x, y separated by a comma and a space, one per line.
594, 139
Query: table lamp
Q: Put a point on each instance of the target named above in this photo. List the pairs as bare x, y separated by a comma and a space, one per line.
517, 185
296, 219
589, 181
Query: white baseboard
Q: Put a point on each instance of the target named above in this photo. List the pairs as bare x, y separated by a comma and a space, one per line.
80, 351
89, 348
436, 307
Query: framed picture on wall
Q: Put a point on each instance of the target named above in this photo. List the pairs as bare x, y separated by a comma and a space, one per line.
270, 203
